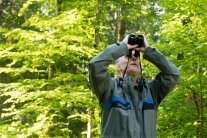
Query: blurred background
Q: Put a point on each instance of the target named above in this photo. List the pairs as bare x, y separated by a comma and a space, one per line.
45, 47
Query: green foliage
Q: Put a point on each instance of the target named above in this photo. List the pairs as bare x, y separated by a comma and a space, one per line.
183, 31
45, 47
44, 87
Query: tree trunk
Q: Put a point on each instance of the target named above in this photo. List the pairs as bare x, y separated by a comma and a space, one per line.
59, 6
2, 6
89, 126
50, 70
201, 100
89, 118
118, 24
120, 27
123, 23
97, 25
198, 100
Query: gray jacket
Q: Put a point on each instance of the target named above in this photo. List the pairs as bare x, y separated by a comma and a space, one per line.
129, 111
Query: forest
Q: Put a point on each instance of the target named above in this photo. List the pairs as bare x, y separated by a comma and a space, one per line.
45, 47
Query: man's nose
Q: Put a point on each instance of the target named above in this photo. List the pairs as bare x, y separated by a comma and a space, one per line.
134, 58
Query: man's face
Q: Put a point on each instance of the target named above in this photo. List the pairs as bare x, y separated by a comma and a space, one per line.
133, 65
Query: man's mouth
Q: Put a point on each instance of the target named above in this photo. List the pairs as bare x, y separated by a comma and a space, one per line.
133, 64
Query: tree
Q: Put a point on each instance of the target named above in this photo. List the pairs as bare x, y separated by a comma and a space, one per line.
45, 47
183, 30
44, 66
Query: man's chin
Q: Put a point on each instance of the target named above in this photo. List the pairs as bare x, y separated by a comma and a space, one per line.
134, 71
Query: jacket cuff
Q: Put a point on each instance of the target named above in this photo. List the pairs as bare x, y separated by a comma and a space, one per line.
122, 49
157, 58
149, 54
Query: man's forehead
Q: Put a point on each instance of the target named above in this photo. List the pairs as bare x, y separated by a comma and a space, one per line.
124, 58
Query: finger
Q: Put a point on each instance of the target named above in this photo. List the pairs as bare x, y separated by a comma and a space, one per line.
138, 49
134, 46
141, 49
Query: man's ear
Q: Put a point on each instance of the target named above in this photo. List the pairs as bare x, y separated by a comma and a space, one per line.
118, 67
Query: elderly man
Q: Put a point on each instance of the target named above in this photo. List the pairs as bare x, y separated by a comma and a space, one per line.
129, 103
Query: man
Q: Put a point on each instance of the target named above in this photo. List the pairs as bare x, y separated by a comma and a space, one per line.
129, 104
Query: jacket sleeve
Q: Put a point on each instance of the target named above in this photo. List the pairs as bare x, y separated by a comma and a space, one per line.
101, 82
166, 80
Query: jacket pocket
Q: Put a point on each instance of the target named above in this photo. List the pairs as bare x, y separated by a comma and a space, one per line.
120, 123
116, 123
150, 123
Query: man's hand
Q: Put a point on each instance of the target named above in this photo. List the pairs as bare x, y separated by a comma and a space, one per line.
145, 45
128, 45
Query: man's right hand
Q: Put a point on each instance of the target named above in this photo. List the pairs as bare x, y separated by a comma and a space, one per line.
144, 47
128, 45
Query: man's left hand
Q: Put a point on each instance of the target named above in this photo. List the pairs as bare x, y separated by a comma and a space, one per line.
144, 47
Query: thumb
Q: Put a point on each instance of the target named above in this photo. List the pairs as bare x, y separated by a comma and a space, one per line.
141, 49
132, 46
